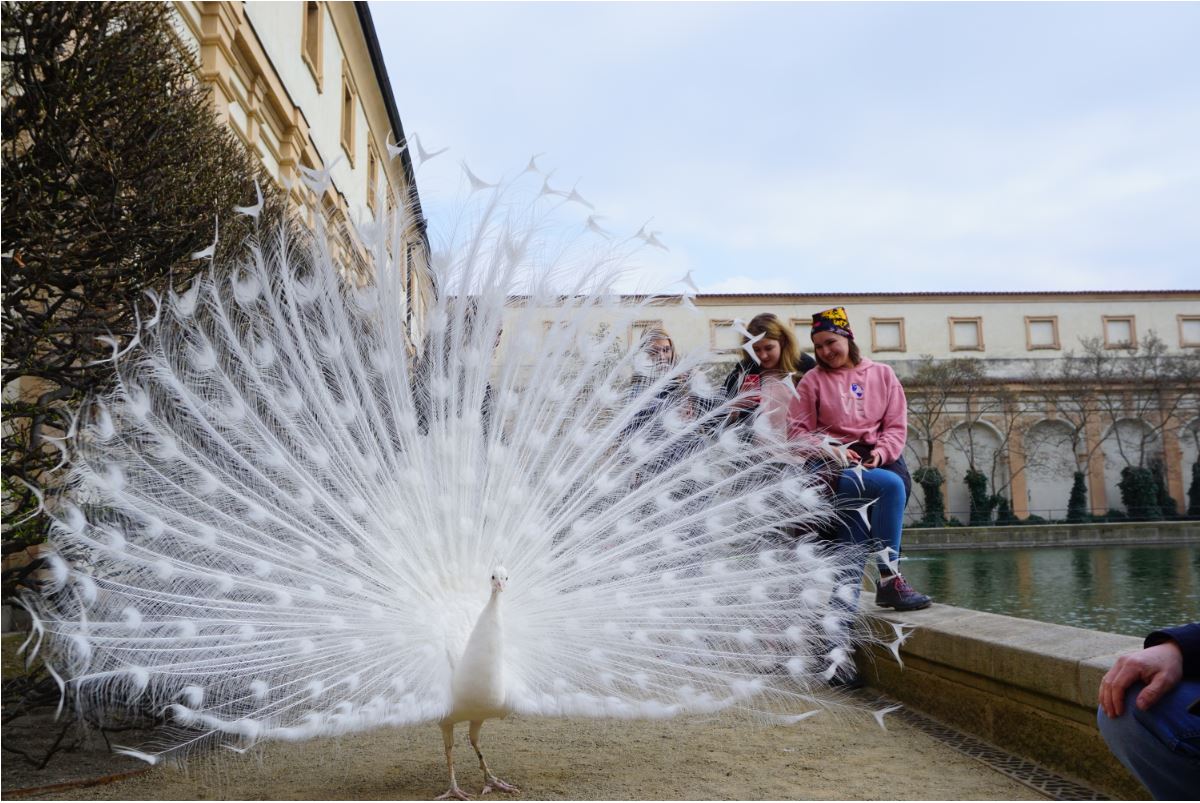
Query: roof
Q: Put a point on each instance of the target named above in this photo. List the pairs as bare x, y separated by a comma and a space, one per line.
363, 10
960, 293
970, 295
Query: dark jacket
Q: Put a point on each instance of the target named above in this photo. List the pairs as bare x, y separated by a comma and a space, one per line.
675, 394
1188, 638
737, 377
733, 382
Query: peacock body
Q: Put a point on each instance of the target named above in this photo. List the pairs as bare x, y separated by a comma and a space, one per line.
280, 522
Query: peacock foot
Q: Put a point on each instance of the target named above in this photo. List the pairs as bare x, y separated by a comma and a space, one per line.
453, 793
494, 784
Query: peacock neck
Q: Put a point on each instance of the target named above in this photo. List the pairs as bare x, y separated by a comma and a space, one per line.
493, 605
485, 643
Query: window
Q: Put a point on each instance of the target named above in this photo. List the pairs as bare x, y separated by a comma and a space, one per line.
312, 40
1189, 331
722, 337
372, 177
887, 334
349, 112
966, 334
1041, 332
1118, 332
637, 330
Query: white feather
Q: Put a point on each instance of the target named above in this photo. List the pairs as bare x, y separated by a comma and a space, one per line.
301, 506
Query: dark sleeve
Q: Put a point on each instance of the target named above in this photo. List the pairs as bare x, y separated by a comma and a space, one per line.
1188, 639
734, 380
637, 387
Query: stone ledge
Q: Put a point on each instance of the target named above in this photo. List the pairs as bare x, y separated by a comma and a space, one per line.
1025, 686
1133, 533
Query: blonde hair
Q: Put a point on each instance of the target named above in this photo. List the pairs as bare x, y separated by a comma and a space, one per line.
768, 325
657, 333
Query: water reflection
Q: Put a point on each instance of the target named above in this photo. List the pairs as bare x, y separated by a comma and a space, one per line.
1130, 590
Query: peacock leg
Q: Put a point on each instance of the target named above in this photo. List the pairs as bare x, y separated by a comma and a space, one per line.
490, 782
454, 791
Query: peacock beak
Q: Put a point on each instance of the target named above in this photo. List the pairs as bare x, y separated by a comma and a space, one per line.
499, 579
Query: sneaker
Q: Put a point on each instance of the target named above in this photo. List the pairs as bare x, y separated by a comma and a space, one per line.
898, 594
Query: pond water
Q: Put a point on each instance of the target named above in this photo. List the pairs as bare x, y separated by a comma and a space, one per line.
1130, 590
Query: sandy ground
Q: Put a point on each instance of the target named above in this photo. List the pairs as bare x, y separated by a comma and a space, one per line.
711, 758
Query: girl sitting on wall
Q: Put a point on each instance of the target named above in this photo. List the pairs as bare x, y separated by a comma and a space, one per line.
766, 385
656, 361
861, 404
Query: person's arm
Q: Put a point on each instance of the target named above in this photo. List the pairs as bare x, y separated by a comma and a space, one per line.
637, 386
893, 430
804, 409
1187, 637
733, 381
1160, 665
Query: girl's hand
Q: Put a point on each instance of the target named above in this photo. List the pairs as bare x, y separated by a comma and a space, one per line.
747, 403
873, 461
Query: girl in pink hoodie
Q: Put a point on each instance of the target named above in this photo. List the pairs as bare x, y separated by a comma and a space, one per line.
861, 404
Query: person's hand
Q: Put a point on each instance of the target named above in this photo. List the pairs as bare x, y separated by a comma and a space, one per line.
1160, 667
873, 461
747, 403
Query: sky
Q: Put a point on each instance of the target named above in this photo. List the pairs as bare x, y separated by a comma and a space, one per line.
843, 147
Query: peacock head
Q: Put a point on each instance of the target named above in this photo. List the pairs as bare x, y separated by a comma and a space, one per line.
499, 578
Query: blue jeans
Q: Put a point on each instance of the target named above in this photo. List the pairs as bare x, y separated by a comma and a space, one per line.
886, 514
1161, 747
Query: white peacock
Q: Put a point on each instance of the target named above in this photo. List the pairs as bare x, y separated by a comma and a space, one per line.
280, 525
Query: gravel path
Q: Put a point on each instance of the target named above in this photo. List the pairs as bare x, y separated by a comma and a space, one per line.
725, 757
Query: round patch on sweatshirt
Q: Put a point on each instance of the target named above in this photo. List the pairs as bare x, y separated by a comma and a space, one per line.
856, 389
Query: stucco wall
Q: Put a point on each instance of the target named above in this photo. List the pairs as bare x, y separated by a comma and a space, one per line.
279, 27
927, 319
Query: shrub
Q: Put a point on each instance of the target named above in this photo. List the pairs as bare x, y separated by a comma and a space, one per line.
1194, 491
930, 480
1004, 514
1077, 506
981, 503
1166, 503
1139, 493
115, 168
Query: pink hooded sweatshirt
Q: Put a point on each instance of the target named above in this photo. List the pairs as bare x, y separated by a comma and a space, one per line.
863, 402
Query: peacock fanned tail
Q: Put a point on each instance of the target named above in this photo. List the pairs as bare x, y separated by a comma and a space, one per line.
280, 522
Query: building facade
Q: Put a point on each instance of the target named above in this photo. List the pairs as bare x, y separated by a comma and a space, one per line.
1027, 388
303, 85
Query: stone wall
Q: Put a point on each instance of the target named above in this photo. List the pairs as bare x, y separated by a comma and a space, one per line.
1134, 533
1027, 687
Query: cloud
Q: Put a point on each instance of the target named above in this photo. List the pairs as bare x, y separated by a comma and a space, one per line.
834, 147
